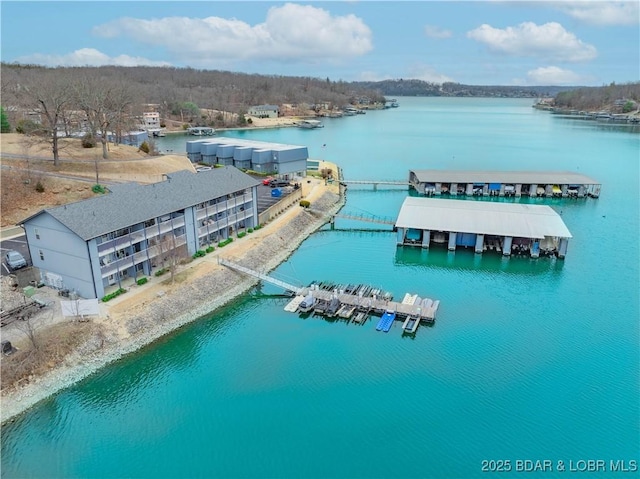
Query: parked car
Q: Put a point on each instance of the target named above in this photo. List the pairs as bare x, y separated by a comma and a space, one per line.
277, 183
267, 180
15, 260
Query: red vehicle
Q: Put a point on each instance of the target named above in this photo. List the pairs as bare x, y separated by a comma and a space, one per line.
267, 180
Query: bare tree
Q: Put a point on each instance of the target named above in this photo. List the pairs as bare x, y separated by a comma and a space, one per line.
169, 254
47, 93
29, 325
106, 104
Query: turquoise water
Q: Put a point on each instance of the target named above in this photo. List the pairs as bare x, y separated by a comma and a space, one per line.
528, 359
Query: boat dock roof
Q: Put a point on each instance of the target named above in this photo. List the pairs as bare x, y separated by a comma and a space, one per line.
481, 217
515, 177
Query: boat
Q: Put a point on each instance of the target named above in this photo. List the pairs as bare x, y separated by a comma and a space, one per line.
309, 124
411, 323
360, 317
307, 304
334, 306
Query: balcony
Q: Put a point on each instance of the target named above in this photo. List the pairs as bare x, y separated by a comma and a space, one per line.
138, 257
135, 237
224, 223
222, 207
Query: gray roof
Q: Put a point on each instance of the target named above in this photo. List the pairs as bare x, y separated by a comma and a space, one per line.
515, 177
242, 143
481, 217
130, 203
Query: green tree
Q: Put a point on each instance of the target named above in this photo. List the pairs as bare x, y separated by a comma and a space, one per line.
628, 106
5, 127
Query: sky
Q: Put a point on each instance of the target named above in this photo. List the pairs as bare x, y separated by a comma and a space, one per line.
481, 42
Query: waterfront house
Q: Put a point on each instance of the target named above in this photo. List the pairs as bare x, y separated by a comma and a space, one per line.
91, 245
264, 111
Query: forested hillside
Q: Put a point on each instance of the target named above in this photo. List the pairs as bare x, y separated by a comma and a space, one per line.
171, 87
599, 98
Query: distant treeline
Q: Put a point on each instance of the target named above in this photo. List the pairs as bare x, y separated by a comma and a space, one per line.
170, 88
403, 87
210, 89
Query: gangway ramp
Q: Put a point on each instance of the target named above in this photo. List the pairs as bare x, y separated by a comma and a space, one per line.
264, 277
369, 218
376, 183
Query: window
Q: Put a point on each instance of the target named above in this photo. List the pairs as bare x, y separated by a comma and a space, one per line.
37, 233
41, 255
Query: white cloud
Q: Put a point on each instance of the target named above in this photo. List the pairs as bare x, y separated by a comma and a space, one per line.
291, 32
603, 12
427, 73
87, 57
549, 41
553, 75
432, 31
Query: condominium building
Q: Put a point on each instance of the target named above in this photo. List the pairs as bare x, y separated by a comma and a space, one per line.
91, 245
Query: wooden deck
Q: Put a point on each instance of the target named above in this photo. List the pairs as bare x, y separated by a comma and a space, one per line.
377, 306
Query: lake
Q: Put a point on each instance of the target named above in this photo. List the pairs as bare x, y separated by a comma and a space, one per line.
527, 360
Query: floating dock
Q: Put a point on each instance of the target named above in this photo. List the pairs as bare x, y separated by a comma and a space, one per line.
510, 228
357, 302
562, 184
353, 302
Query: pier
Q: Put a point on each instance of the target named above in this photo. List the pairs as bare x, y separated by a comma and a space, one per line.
200, 131
509, 228
367, 299
547, 184
350, 302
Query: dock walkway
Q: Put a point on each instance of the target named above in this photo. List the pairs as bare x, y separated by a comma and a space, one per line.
347, 301
376, 305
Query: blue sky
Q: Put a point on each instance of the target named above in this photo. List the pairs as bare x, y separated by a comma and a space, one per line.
473, 42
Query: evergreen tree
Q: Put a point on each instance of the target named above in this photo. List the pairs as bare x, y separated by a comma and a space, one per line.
5, 127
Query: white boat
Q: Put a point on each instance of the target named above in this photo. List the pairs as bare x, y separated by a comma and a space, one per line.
309, 124
307, 304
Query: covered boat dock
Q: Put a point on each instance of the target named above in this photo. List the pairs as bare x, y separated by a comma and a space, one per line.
564, 184
504, 227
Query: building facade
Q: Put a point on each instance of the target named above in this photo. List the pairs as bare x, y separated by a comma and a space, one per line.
260, 156
264, 111
131, 231
151, 119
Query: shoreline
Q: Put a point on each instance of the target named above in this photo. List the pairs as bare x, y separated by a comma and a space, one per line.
149, 324
258, 124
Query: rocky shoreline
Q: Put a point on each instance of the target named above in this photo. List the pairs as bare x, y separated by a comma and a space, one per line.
187, 303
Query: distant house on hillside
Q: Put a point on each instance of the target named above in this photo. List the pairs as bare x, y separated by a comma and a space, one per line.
150, 120
264, 111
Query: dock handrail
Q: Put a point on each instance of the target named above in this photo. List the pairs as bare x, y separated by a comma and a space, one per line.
264, 277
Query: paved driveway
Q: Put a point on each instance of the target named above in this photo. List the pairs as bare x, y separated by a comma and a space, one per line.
18, 244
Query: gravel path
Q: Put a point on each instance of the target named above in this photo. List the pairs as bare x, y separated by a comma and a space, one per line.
187, 303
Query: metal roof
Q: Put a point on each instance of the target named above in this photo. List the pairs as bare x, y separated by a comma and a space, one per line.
262, 145
130, 203
481, 217
515, 177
